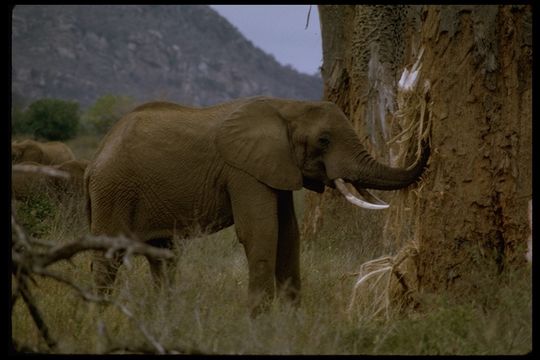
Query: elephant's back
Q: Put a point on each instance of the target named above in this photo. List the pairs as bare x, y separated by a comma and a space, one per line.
162, 106
162, 131
59, 152
157, 134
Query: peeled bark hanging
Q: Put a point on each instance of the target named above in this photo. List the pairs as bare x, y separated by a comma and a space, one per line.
471, 211
362, 57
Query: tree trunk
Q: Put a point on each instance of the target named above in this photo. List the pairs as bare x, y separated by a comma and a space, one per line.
471, 209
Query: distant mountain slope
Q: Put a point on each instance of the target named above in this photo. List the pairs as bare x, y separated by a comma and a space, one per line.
183, 53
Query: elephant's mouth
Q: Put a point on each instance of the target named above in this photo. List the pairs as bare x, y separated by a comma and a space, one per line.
369, 200
313, 185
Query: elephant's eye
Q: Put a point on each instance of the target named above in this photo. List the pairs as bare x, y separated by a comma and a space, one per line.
324, 141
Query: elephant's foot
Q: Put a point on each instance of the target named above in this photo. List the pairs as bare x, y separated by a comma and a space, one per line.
290, 292
259, 303
261, 287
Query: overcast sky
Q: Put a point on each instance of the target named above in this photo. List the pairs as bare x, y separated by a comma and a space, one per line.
280, 30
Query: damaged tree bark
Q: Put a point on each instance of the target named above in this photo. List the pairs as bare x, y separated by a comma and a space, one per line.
475, 208
473, 202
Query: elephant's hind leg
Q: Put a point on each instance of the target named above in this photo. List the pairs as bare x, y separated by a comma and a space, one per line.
163, 271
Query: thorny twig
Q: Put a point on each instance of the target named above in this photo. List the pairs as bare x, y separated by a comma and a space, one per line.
27, 261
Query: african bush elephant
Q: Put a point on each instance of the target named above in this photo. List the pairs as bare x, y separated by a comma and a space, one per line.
75, 183
46, 153
166, 169
26, 183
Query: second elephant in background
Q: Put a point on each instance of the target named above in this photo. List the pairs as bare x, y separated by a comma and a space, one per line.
46, 153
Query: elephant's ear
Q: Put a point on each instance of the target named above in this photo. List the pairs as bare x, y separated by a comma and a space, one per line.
255, 139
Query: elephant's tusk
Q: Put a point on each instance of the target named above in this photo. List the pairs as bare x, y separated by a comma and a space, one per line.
340, 185
371, 197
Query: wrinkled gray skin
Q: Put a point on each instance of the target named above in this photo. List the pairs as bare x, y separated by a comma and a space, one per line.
46, 153
166, 169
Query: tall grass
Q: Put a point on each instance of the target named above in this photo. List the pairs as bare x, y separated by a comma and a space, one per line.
206, 308
84, 146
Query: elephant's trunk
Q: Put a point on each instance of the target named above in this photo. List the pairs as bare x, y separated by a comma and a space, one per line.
372, 174
368, 173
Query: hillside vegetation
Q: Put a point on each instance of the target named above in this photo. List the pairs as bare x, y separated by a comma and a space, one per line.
183, 53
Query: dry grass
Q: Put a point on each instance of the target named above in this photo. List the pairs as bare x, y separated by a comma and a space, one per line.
84, 146
206, 309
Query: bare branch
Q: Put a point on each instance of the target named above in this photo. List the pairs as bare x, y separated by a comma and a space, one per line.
41, 169
68, 250
27, 260
36, 314
307, 20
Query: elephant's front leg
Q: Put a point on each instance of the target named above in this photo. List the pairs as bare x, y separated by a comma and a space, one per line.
254, 207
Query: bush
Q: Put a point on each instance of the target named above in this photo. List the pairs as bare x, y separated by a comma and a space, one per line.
34, 214
19, 122
107, 110
53, 119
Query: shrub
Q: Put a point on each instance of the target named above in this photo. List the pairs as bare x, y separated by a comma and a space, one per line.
19, 122
34, 214
107, 110
53, 119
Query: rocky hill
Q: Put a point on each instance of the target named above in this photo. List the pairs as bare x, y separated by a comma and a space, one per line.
182, 53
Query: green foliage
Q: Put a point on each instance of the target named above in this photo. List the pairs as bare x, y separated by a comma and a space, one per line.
53, 119
34, 214
108, 109
19, 122
18, 114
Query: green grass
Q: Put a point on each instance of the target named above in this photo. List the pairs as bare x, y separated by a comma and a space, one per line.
206, 309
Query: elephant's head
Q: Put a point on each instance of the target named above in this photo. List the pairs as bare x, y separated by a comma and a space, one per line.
25, 150
290, 144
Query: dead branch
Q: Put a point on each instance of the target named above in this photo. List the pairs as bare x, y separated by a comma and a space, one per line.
41, 169
68, 250
307, 20
27, 260
35, 313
